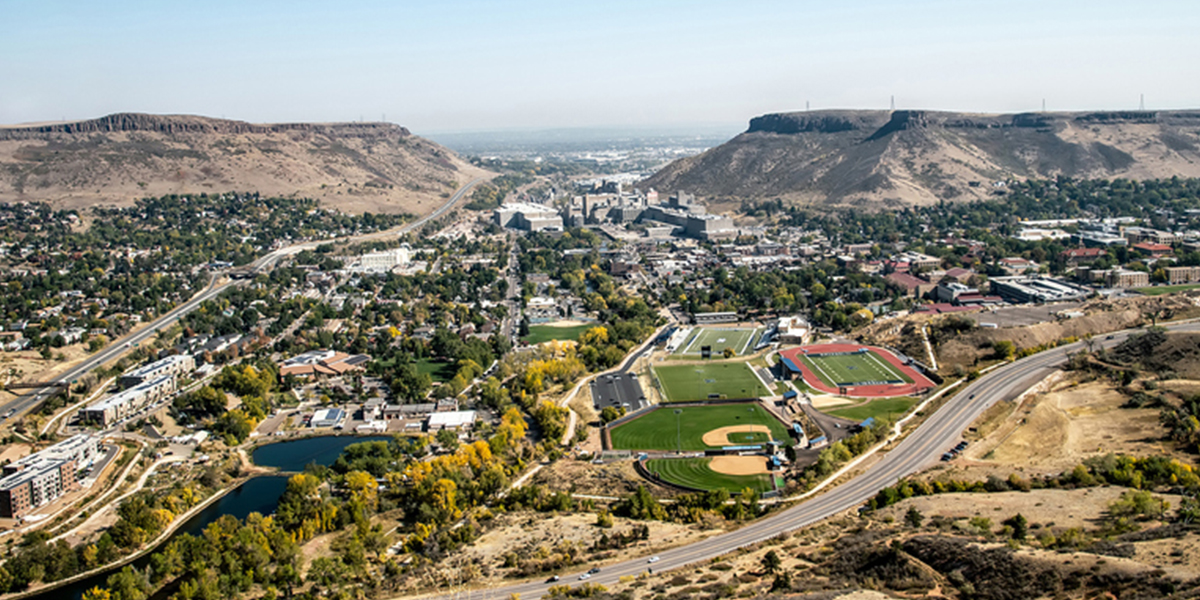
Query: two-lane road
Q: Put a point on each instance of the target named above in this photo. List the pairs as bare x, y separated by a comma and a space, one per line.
922, 448
266, 262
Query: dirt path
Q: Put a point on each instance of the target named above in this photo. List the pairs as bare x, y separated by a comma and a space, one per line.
720, 436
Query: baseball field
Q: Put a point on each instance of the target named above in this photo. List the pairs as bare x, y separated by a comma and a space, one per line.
697, 428
699, 473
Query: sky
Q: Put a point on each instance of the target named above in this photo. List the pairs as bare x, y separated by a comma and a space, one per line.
475, 65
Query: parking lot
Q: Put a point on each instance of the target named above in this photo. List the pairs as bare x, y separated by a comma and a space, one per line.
618, 390
1020, 316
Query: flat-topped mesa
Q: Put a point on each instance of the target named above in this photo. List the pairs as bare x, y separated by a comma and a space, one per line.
189, 124
822, 121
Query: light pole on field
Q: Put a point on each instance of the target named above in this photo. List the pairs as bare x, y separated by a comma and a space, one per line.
678, 434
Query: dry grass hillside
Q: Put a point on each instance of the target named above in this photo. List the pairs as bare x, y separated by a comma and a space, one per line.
355, 167
879, 159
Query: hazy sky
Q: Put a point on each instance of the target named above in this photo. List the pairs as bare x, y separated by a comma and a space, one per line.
454, 65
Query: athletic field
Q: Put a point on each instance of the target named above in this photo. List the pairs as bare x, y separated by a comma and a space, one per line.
850, 370
695, 473
662, 429
682, 383
741, 339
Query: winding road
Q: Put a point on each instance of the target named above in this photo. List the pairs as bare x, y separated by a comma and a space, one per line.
25, 402
922, 448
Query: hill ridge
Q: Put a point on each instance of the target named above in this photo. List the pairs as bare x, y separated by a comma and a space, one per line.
877, 158
117, 158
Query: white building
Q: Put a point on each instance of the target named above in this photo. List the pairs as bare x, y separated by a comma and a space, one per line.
793, 330
116, 407
456, 419
173, 366
378, 262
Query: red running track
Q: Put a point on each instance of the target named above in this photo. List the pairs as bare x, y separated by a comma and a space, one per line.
920, 382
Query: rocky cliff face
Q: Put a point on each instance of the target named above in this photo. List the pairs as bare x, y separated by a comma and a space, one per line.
115, 159
882, 158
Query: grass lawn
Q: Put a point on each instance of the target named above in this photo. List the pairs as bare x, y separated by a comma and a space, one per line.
740, 339
660, 430
546, 333
853, 369
438, 370
1167, 289
694, 473
696, 382
892, 408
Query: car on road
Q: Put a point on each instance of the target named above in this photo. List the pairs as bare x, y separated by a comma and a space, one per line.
553, 579
653, 559
585, 576
593, 570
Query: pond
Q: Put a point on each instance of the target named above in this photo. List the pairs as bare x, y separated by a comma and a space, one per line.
297, 454
260, 494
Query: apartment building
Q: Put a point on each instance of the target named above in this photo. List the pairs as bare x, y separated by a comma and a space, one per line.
173, 366
116, 407
40, 478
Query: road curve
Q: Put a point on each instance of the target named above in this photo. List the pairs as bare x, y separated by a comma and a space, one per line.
118, 347
922, 448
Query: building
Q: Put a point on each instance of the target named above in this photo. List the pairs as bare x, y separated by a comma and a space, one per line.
914, 285
1097, 239
456, 419
392, 412
380, 262
40, 478
914, 260
793, 330
1153, 250
527, 217
1144, 234
1177, 275
1121, 278
172, 366
1082, 256
541, 309
1015, 265
118, 406
714, 317
322, 362
950, 292
1023, 289
327, 417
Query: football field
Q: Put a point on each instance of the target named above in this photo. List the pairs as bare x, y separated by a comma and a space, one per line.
741, 339
851, 370
683, 383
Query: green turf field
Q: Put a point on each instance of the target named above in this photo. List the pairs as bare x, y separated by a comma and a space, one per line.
853, 369
682, 383
1167, 289
740, 339
694, 473
545, 333
661, 430
437, 370
888, 408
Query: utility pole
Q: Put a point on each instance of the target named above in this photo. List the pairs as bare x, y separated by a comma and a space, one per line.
893, 102
1142, 102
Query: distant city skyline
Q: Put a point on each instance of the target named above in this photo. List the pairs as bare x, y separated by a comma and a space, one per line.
475, 65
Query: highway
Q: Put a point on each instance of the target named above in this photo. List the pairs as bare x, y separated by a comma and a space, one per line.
27, 401
923, 447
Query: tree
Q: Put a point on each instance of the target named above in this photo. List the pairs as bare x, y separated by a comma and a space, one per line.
1004, 349
913, 517
447, 439
771, 562
728, 352
1020, 526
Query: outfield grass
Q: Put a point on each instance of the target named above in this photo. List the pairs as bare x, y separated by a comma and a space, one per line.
661, 430
847, 370
695, 382
695, 473
740, 339
546, 333
892, 408
1167, 289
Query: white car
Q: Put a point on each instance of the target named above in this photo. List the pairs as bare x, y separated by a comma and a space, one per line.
585, 576
653, 559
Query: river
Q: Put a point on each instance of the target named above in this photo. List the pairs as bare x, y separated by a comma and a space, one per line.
259, 494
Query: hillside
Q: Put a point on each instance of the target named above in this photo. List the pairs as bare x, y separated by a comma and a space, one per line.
881, 158
356, 167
